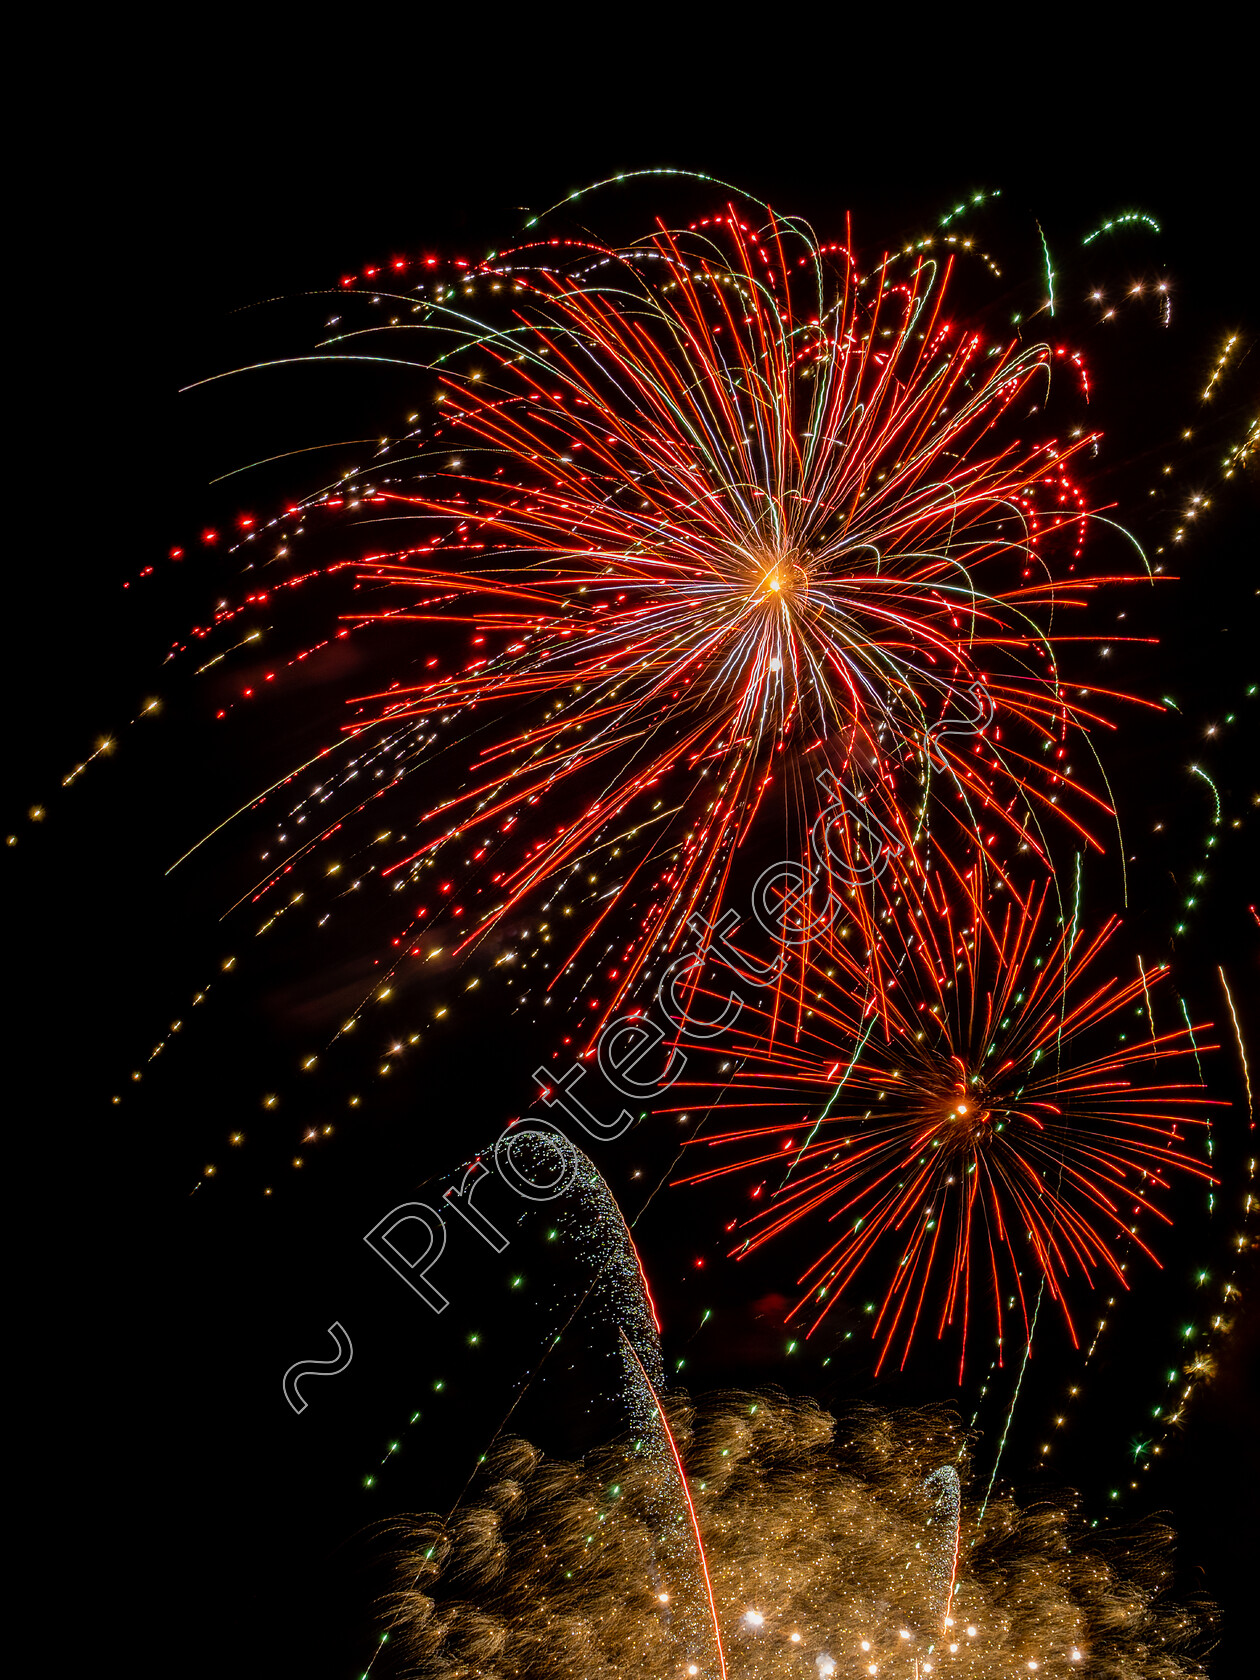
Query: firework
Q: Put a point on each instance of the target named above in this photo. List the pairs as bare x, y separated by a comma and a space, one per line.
591, 1220
819, 1540
743, 532
989, 1127
544, 1164
686, 1563
943, 1551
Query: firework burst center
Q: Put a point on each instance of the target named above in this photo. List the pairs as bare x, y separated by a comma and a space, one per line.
784, 578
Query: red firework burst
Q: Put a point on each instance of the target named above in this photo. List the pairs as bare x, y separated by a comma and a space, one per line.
983, 1123
738, 527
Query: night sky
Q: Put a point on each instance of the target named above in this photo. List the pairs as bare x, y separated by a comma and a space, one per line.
161, 1322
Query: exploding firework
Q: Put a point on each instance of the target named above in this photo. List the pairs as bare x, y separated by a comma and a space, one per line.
985, 1129
823, 1543
740, 526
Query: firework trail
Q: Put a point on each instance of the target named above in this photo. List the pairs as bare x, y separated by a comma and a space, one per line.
593, 1219
619, 1291
593, 1222
661, 1444
946, 1520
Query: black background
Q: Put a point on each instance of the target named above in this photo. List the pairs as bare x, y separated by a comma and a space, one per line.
164, 183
